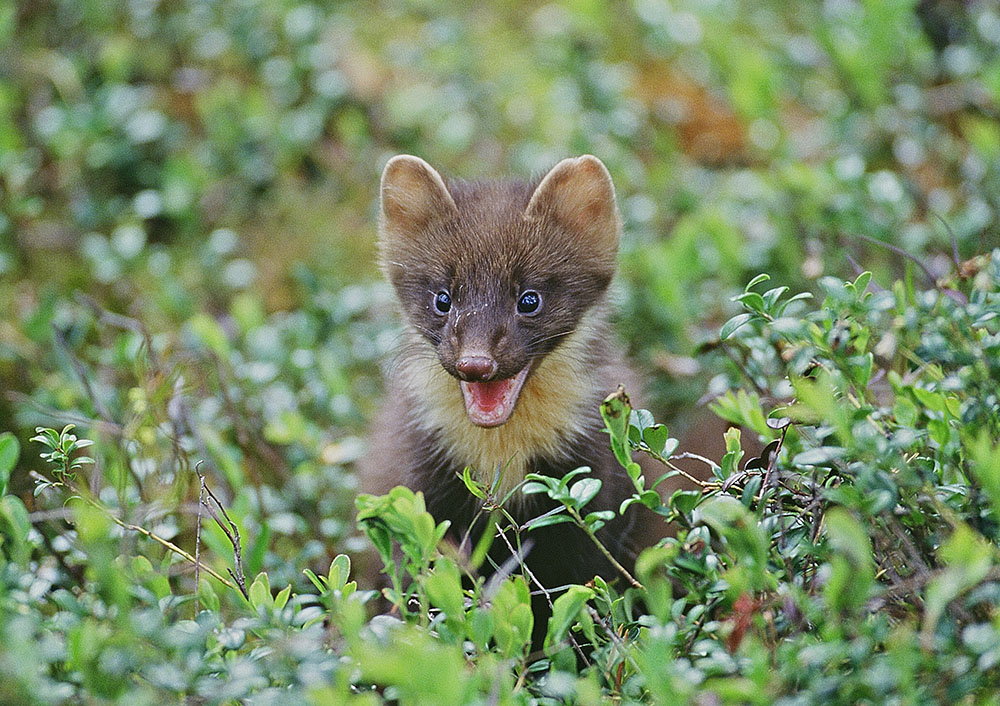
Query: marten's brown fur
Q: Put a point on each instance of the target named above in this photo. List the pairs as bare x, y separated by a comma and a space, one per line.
485, 245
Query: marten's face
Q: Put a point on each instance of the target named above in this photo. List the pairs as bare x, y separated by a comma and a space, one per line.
495, 276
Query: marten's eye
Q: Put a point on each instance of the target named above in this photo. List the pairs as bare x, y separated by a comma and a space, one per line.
442, 302
529, 303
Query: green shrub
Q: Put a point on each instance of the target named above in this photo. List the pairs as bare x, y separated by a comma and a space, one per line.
854, 561
186, 275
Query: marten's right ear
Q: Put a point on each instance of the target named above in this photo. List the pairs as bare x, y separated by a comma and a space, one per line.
413, 194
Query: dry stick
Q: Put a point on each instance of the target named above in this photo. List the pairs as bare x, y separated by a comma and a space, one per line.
771, 480
520, 559
232, 533
127, 323
947, 291
596, 617
545, 592
607, 555
172, 547
686, 454
63, 416
197, 546
134, 528
954, 240
696, 457
615, 637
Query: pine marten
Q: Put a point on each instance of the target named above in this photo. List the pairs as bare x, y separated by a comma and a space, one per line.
507, 355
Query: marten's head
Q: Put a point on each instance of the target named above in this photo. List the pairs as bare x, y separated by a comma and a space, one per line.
495, 275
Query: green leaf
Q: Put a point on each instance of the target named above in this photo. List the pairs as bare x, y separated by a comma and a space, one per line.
15, 524
931, 400
207, 594
861, 283
734, 452
260, 593
471, 484
208, 332
10, 450
772, 296
513, 619
320, 582
444, 588
656, 437
986, 468
339, 573
641, 419
651, 499
553, 517
535, 487
616, 411
851, 581
734, 323
584, 490
685, 500
282, 598
46, 436
968, 558
780, 309
479, 627
823, 456
762, 277
564, 613
597, 520
751, 300
729, 518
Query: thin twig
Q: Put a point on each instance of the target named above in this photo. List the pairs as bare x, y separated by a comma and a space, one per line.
63, 417
899, 251
607, 555
951, 234
614, 637
197, 544
232, 533
120, 321
545, 592
947, 291
125, 525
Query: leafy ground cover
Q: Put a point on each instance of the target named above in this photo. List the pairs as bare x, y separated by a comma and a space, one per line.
854, 561
186, 275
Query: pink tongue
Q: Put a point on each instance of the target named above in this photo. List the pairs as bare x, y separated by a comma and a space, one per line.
487, 396
490, 404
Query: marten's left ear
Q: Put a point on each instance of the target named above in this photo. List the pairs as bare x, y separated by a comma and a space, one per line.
578, 194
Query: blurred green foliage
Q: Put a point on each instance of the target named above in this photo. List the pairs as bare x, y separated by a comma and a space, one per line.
187, 202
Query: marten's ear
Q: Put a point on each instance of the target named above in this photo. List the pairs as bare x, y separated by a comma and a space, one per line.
413, 194
578, 194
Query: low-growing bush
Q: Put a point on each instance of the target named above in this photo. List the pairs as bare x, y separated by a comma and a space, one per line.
854, 560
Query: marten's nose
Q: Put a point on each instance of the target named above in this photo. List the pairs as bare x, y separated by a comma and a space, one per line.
476, 368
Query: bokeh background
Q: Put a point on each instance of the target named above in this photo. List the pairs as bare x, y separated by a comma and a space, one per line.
188, 196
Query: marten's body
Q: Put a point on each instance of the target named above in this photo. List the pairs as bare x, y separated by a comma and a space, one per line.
506, 354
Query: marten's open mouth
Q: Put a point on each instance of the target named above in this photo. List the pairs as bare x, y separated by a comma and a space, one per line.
490, 404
